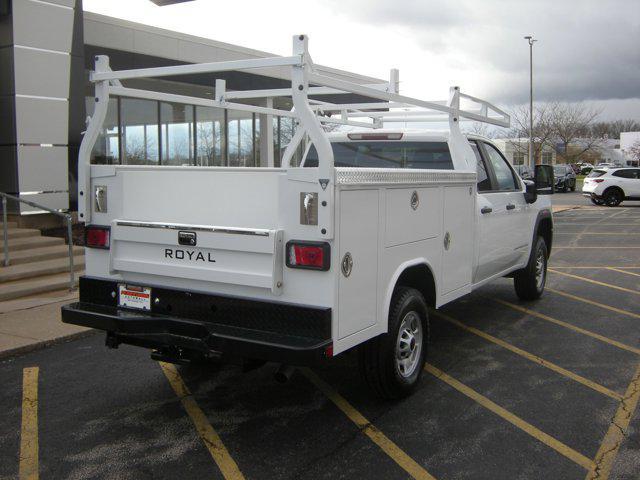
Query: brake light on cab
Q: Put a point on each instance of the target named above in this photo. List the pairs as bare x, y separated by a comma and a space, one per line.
308, 255
97, 237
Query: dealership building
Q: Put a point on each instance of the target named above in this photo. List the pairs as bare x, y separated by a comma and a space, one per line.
47, 48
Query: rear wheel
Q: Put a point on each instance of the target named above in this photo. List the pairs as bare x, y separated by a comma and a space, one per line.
597, 201
392, 363
530, 281
573, 186
612, 197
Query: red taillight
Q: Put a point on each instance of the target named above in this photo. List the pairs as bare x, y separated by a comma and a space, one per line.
598, 180
309, 255
97, 237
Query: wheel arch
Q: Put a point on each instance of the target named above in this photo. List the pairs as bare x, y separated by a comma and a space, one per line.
614, 187
416, 273
544, 228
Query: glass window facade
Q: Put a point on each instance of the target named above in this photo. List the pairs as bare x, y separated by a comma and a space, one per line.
148, 132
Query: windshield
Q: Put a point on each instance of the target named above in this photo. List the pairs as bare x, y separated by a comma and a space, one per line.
377, 154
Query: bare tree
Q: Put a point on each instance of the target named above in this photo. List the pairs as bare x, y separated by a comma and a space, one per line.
571, 126
633, 153
543, 132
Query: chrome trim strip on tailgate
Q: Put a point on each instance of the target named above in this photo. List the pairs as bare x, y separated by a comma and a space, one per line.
201, 228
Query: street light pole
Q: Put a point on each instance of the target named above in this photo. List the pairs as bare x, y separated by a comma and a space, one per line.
531, 41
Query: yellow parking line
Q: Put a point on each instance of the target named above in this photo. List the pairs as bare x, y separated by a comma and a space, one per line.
617, 431
28, 468
570, 326
623, 271
534, 358
603, 284
375, 435
591, 302
212, 441
523, 425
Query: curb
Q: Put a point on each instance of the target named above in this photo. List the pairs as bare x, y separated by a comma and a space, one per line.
14, 352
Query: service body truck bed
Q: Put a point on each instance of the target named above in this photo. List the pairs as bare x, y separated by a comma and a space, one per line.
300, 263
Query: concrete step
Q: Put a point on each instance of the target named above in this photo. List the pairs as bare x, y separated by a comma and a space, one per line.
17, 244
23, 288
20, 257
37, 269
20, 233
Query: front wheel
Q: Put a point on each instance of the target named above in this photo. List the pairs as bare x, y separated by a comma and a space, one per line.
530, 281
391, 364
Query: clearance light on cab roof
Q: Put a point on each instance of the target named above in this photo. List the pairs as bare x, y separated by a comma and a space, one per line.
374, 136
308, 255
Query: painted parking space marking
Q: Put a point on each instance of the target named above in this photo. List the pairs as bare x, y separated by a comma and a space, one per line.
212, 441
591, 267
376, 436
596, 282
523, 425
569, 326
623, 271
28, 468
617, 432
592, 302
534, 358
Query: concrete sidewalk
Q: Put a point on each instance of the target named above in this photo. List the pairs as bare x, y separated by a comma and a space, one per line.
34, 322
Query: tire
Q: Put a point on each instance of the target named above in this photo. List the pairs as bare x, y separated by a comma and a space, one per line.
597, 201
573, 186
530, 281
380, 366
613, 197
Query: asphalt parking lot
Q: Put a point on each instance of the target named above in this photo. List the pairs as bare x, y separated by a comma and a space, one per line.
547, 389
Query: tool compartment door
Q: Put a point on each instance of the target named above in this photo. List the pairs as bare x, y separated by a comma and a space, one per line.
359, 219
458, 237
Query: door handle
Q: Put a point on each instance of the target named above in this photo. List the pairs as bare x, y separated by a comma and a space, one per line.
484, 210
510, 206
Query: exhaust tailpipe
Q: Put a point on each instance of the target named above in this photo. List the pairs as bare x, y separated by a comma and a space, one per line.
283, 373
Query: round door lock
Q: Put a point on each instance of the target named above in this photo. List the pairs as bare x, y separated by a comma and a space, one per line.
447, 240
415, 200
346, 264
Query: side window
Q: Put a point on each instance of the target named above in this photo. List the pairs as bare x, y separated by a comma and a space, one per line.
484, 182
626, 173
502, 171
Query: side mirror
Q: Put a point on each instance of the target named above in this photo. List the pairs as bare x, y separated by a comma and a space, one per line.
544, 179
530, 193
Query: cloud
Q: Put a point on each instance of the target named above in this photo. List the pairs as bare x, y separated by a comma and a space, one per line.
587, 50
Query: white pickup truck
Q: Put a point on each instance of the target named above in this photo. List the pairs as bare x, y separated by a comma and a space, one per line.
346, 250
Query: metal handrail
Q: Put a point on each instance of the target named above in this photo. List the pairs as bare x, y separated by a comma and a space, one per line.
66, 216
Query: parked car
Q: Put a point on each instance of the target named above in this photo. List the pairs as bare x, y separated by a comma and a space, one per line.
565, 178
525, 172
611, 186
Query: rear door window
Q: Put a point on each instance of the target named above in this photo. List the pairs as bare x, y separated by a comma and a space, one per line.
377, 154
484, 181
626, 173
503, 173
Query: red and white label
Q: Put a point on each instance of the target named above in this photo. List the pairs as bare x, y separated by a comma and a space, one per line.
134, 297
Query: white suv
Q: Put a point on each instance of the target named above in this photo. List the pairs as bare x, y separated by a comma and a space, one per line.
610, 187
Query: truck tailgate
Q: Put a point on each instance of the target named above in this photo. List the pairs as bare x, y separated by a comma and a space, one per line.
241, 256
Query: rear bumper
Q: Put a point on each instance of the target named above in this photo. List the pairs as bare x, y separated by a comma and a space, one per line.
227, 327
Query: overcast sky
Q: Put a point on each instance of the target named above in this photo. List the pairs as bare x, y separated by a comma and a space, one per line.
587, 50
